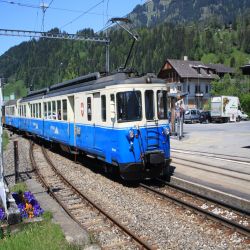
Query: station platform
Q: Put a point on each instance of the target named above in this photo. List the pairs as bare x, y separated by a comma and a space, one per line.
214, 160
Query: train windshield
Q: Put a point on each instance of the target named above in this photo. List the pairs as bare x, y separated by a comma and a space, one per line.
129, 107
162, 104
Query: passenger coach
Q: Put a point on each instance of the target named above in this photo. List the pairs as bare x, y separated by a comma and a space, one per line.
120, 119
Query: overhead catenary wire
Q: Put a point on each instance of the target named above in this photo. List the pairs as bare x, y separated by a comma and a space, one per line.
51, 8
84, 13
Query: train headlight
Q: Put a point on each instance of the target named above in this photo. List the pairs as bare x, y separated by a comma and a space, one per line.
131, 134
166, 131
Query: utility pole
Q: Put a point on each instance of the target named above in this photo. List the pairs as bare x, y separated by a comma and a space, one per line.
2, 186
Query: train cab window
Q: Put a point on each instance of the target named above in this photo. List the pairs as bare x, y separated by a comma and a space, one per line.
49, 111
129, 106
45, 110
103, 107
59, 110
149, 104
89, 108
64, 106
162, 104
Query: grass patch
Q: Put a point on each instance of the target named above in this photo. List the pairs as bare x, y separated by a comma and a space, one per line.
19, 187
40, 236
5, 140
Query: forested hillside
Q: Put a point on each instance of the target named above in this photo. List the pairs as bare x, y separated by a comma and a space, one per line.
154, 12
43, 62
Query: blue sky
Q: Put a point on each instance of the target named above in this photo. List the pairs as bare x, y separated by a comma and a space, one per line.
62, 14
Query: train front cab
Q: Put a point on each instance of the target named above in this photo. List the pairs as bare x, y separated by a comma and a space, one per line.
142, 132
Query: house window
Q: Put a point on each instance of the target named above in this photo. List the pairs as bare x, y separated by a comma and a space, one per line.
188, 89
197, 88
179, 87
206, 88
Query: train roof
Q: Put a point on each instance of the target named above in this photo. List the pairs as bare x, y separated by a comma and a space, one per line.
102, 82
10, 103
91, 82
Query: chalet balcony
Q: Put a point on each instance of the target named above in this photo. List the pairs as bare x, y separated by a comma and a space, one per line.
199, 94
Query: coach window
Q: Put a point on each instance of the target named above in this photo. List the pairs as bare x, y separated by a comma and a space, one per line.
89, 108
49, 110
45, 110
103, 107
162, 104
25, 110
53, 110
149, 104
31, 110
40, 110
59, 110
36, 110
64, 105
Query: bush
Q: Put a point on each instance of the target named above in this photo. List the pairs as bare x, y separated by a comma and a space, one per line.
245, 102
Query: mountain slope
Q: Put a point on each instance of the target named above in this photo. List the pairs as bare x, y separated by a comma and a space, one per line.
154, 12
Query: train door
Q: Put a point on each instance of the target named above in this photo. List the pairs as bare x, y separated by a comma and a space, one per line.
71, 125
96, 119
90, 128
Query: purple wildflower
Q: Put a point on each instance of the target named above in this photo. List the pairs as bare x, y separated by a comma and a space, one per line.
2, 214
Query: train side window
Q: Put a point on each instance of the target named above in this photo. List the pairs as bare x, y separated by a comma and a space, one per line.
31, 110
89, 108
59, 110
40, 110
49, 110
149, 104
103, 107
64, 106
45, 110
24, 110
36, 110
53, 110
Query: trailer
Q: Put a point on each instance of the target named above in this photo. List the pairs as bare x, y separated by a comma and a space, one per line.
224, 108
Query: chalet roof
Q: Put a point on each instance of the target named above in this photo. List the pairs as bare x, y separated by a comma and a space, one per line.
245, 69
190, 69
221, 68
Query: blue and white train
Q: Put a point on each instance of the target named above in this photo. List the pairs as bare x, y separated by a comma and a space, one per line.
120, 119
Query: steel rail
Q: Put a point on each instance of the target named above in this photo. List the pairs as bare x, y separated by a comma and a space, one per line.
137, 239
210, 165
210, 171
219, 156
228, 223
221, 203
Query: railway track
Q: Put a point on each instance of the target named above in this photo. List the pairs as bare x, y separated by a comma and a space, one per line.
223, 157
106, 229
211, 168
223, 214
